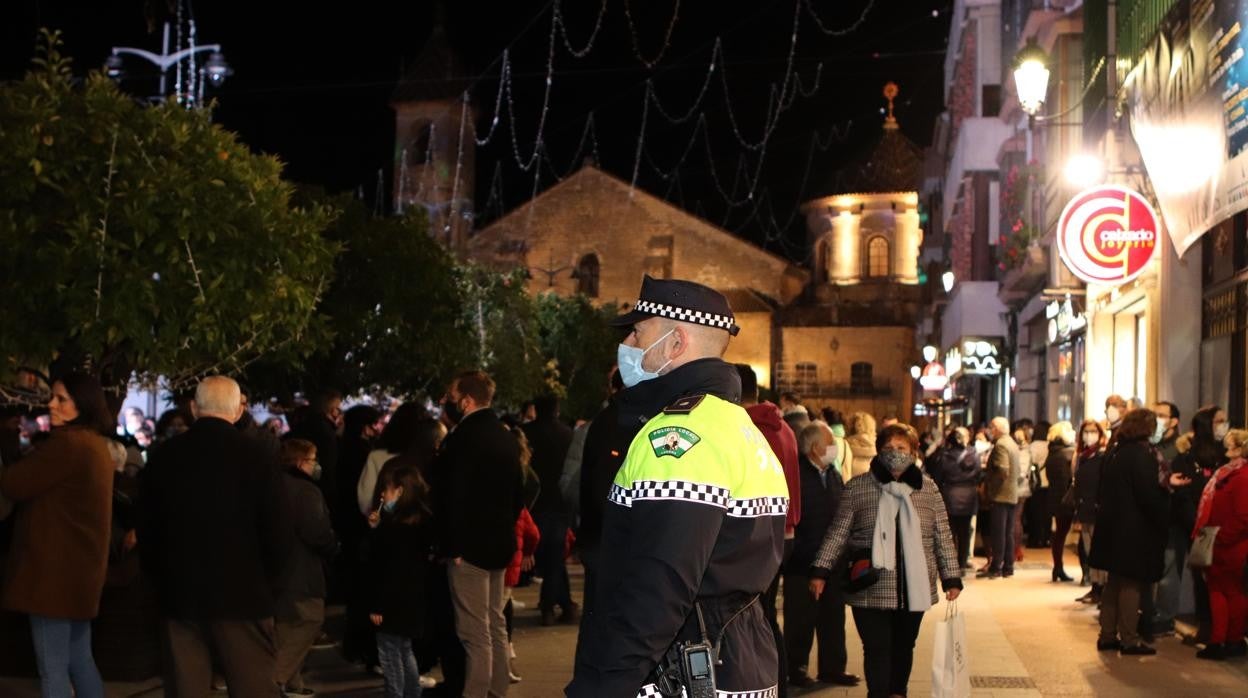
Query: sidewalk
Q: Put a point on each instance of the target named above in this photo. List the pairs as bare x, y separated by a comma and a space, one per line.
1027, 637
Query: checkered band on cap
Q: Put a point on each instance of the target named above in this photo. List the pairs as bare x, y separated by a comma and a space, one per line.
675, 312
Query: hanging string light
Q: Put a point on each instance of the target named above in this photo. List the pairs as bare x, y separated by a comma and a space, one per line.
667, 36
593, 35
840, 32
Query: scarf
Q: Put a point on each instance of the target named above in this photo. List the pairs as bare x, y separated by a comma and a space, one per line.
895, 507
1205, 510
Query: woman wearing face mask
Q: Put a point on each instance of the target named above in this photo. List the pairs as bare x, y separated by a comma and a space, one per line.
1132, 519
1198, 463
1224, 504
397, 575
56, 569
300, 611
1061, 438
956, 471
400, 433
1086, 466
896, 513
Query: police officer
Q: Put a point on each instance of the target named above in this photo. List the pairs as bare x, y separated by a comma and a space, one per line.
694, 526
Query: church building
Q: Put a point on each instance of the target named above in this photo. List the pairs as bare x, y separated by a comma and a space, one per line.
841, 334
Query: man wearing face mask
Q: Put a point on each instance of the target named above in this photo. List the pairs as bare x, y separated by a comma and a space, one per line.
696, 528
1002, 485
804, 616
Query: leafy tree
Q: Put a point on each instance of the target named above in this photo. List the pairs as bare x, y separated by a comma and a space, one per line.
501, 320
577, 336
146, 239
394, 312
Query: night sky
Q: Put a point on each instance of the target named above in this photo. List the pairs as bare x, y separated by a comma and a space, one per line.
313, 85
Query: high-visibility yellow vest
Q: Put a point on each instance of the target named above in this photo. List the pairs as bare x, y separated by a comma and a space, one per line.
703, 450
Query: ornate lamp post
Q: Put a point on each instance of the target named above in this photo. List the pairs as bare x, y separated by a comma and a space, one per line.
1031, 77
214, 70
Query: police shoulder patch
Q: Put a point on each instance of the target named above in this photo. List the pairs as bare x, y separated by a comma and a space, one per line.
672, 441
684, 405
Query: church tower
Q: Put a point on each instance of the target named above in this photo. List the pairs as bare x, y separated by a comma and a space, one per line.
434, 140
865, 237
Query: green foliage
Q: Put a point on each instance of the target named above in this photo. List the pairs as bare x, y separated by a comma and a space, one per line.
146, 238
503, 334
577, 337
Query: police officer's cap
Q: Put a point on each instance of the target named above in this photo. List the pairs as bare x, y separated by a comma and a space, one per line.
685, 301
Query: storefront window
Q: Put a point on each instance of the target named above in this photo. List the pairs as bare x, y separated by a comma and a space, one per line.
1130, 353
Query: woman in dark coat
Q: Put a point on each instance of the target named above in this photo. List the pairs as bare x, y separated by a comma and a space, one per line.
1057, 466
1207, 454
956, 471
56, 569
1087, 482
1132, 517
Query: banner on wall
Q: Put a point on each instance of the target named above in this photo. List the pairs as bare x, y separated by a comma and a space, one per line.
1188, 98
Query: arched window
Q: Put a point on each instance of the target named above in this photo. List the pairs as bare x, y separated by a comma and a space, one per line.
587, 275
877, 257
861, 378
418, 146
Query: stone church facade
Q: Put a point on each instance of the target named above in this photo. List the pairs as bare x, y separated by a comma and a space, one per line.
841, 334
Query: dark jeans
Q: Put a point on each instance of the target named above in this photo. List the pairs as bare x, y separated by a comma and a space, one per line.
1058, 545
961, 527
398, 665
549, 563
1172, 578
769, 610
63, 654
887, 648
1002, 538
1038, 517
805, 618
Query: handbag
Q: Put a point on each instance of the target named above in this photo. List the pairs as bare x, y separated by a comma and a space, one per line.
951, 675
1201, 553
859, 572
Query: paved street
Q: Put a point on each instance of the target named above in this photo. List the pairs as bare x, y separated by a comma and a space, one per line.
1027, 638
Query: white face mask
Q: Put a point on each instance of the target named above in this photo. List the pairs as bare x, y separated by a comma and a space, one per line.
1091, 438
1112, 414
982, 447
829, 455
630, 359
1220, 431
1159, 433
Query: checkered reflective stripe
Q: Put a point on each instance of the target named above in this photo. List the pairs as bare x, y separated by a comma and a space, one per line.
675, 312
671, 489
652, 691
759, 506
697, 492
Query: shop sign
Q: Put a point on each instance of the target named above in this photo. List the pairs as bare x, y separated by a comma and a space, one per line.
974, 357
1107, 235
1063, 321
934, 377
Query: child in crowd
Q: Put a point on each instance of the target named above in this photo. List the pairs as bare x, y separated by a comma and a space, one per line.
396, 576
301, 605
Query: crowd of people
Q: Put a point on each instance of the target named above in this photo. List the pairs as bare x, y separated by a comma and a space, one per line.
421, 521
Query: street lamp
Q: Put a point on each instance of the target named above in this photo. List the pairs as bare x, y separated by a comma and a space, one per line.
1031, 77
929, 353
947, 279
215, 69
1084, 170
915, 372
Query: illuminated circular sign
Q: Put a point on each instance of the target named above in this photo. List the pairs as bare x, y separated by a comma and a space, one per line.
1107, 235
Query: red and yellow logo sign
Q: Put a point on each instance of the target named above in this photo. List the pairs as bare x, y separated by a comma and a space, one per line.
1107, 235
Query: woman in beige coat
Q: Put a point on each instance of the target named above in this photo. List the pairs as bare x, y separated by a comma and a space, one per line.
861, 442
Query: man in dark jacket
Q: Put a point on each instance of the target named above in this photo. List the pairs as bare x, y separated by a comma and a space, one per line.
214, 532
549, 439
769, 420
695, 523
477, 498
804, 617
323, 426
301, 603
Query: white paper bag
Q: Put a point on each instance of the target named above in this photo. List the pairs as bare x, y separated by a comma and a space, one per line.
951, 675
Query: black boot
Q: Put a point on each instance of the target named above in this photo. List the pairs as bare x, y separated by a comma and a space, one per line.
1214, 650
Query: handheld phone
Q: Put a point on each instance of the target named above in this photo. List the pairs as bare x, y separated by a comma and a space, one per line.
698, 662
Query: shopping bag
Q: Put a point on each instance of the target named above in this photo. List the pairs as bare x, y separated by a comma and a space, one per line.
951, 675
